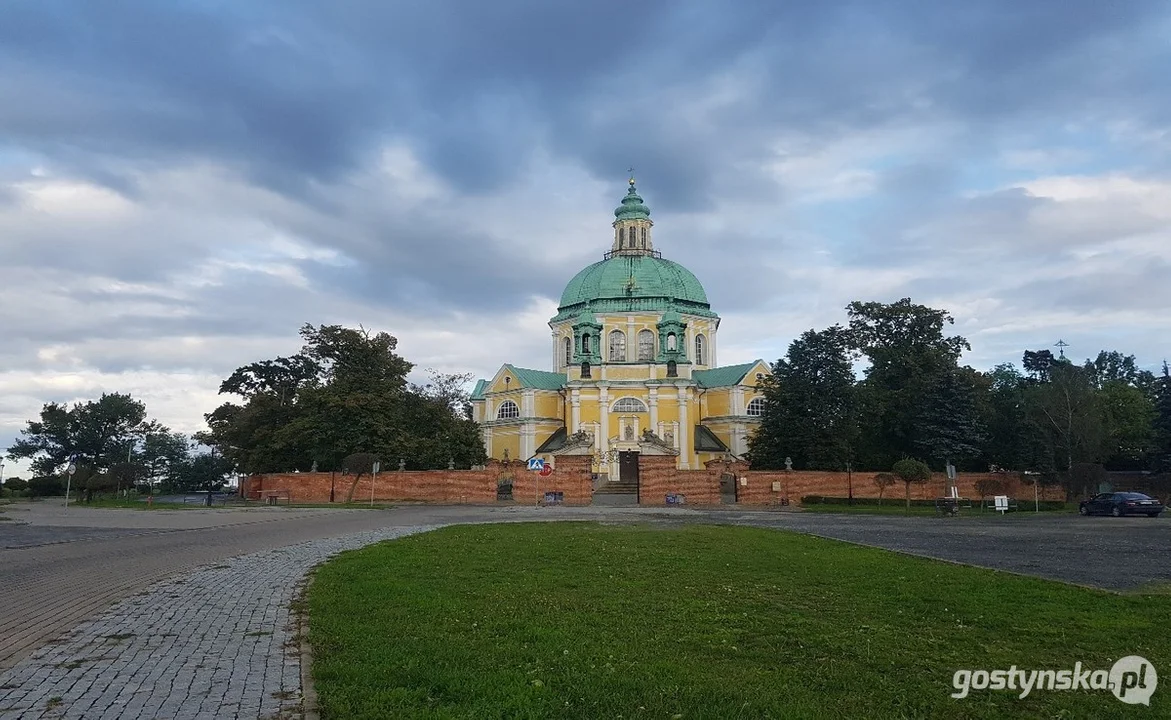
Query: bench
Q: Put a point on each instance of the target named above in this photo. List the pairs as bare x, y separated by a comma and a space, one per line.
273, 497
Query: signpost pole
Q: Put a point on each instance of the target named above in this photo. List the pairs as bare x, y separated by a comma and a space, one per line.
1036, 494
72, 468
373, 479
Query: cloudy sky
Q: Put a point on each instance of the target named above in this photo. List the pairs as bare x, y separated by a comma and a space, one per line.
184, 183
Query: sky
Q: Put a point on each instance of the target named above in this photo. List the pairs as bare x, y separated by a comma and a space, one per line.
184, 184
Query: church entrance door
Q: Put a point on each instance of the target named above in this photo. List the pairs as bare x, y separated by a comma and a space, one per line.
628, 468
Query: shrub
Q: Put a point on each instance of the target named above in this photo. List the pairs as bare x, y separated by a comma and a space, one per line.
15, 485
46, 486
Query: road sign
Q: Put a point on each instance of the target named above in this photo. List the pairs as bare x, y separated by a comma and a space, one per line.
1001, 503
546, 471
536, 464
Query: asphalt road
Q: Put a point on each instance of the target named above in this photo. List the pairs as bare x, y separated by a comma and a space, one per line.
57, 570
1105, 552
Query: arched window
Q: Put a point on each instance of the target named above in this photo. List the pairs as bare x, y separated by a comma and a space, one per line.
644, 238
699, 350
629, 405
672, 369
585, 369
507, 411
568, 351
617, 346
621, 237
755, 407
646, 345
671, 342
585, 344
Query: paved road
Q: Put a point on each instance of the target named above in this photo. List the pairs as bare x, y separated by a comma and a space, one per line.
1113, 553
59, 576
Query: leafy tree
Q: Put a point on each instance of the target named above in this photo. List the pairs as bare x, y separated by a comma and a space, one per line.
883, 481
1112, 367
908, 353
1037, 364
949, 426
1128, 418
810, 412
1066, 411
46, 486
95, 433
346, 392
201, 472
15, 484
358, 464
910, 471
987, 486
1161, 426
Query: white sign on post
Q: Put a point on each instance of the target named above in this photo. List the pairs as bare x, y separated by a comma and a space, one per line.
1001, 503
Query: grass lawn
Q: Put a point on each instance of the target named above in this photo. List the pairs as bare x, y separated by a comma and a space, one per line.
582, 620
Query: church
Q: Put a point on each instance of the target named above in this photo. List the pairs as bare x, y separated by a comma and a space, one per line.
635, 351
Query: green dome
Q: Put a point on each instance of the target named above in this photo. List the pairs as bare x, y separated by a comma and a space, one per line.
626, 283
632, 206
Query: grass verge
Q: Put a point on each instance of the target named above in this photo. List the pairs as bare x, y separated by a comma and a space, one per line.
585, 621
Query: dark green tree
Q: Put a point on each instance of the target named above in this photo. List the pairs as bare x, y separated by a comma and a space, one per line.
1160, 459
909, 356
346, 392
810, 412
949, 426
1066, 413
910, 471
95, 433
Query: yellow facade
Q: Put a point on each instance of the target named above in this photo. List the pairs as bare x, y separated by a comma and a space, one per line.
635, 349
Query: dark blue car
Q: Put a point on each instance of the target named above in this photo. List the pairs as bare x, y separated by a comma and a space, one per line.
1121, 503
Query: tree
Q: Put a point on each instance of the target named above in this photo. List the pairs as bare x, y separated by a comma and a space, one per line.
1128, 419
346, 392
94, 433
1037, 364
810, 413
15, 485
910, 471
1112, 367
883, 481
949, 427
46, 486
1066, 412
987, 486
201, 472
1161, 427
908, 354
358, 464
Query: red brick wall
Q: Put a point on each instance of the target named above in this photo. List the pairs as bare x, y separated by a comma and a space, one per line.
446, 486
657, 476
571, 476
794, 485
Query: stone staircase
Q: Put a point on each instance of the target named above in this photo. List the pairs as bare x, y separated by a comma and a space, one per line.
617, 492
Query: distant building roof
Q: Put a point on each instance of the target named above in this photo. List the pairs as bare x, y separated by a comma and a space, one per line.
556, 441
722, 376
478, 391
706, 440
539, 379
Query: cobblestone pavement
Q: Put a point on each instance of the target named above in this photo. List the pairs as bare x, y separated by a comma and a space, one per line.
218, 643
213, 643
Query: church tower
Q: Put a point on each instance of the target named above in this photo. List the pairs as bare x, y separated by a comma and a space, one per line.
634, 349
632, 225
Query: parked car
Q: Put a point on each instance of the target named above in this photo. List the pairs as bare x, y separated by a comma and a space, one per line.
1121, 503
